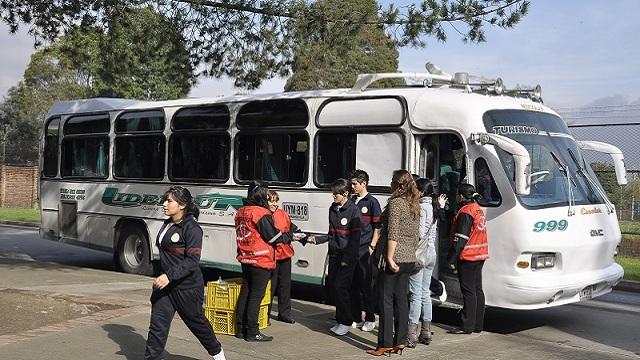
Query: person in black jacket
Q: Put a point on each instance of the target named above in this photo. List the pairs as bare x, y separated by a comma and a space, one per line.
180, 287
344, 242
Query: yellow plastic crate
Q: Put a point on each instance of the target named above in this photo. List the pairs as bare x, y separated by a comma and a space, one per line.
224, 322
224, 295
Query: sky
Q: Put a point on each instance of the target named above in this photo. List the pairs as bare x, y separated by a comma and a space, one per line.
583, 53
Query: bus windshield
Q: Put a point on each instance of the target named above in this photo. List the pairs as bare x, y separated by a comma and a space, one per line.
559, 173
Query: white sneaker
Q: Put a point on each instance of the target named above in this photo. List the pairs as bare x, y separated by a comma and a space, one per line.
341, 330
357, 324
334, 327
219, 356
368, 326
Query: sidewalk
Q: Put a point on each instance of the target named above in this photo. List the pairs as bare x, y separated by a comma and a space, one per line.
121, 332
118, 328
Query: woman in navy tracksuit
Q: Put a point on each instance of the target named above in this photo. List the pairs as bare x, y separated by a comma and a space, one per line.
180, 287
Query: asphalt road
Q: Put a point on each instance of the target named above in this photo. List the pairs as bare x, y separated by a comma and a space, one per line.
603, 328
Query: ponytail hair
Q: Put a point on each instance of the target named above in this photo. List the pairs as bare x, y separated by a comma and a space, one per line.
468, 192
183, 197
258, 194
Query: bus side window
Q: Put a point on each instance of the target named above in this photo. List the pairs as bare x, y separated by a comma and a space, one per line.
85, 147
379, 153
200, 144
485, 184
335, 156
277, 158
50, 152
140, 145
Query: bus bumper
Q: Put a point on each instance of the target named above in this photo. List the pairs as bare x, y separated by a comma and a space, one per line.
546, 290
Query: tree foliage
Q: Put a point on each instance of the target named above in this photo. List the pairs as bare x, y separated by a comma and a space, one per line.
251, 41
333, 57
141, 56
46, 80
607, 177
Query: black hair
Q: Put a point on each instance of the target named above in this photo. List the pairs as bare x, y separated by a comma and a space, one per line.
257, 194
468, 192
183, 197
360, 175
341, 186
425, 186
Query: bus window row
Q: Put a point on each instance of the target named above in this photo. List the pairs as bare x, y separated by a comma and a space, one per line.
199, 148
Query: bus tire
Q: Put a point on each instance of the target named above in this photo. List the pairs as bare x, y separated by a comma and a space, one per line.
133, 253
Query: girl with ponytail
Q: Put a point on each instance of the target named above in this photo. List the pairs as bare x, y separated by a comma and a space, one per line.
180, 287
469, 248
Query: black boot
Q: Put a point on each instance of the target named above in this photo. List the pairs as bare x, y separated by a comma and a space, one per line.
425, 333
412, 336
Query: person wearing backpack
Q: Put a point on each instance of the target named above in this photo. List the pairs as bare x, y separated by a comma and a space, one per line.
419, 283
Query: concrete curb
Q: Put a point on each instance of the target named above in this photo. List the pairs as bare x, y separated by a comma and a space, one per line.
628, 285
20, 223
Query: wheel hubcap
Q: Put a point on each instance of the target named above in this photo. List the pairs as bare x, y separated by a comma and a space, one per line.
134, 250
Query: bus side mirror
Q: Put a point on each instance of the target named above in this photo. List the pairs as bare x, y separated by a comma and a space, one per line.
616, 155
521, 158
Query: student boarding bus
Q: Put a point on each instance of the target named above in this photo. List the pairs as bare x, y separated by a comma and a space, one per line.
552, 231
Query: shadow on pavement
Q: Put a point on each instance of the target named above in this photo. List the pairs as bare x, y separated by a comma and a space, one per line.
132, 344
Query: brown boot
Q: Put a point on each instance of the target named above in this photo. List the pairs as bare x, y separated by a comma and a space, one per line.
425, 333
412, 335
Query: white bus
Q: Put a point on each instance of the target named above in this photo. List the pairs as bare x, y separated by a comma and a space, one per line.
107, 162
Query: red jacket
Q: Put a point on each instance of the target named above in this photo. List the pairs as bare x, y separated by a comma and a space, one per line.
477, 247
283, 223
252, 248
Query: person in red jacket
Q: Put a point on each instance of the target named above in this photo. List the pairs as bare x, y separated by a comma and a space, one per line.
281, 275
469, 249
256, 237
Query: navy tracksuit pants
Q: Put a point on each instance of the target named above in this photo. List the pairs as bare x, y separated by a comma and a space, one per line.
188, 303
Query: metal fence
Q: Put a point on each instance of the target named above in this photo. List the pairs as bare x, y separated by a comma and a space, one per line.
624, 136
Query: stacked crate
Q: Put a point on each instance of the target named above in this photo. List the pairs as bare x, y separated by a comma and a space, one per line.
220, 305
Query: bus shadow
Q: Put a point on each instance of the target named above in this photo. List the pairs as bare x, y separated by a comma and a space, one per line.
578, 324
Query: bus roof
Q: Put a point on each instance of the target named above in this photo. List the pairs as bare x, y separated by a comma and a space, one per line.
452, 100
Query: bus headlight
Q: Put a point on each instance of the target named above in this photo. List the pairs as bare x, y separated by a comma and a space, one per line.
543, 261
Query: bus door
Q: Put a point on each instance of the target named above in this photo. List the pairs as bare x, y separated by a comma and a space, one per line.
442, 160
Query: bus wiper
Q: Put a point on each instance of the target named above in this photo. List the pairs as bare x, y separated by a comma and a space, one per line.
565, 169
592, 183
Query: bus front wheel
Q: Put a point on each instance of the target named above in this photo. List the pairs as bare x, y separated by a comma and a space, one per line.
133, 253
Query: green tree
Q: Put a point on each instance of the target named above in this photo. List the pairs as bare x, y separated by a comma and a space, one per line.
335, 55
46, 80
251, 41
140, 56
607, 177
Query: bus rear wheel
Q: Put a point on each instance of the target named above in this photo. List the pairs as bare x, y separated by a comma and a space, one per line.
133, 253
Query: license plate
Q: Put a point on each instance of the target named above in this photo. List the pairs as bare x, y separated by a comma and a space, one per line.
296, 211
586, 293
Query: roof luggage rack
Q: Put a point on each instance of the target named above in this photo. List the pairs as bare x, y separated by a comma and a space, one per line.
435, 77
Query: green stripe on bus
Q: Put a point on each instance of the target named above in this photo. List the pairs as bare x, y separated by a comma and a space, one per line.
237, 268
